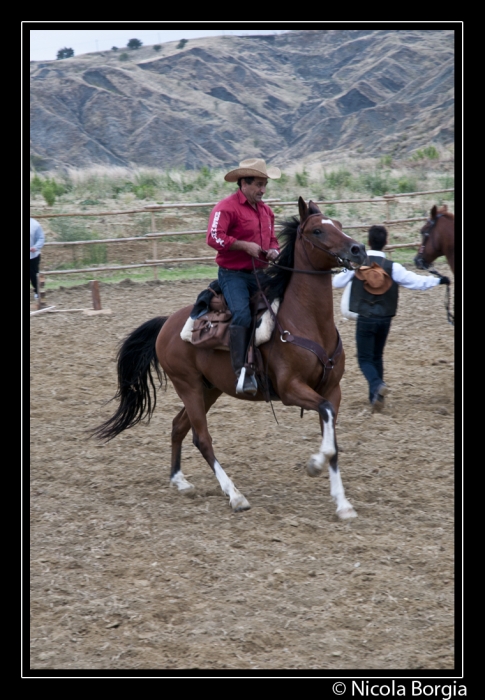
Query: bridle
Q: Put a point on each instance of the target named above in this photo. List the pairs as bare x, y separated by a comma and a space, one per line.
299, 232
425, 234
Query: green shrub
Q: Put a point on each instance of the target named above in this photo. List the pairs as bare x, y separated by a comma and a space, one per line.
446, 181
49, 193
429, 152
406, 183
338, 178
203, 178
375, 183
36, 185
114, 48
182, 43
64, 53
386, 161
144, 191
134, 44
157, 47
124, 56
96, 254
302, 178
69, 229
331, 211
126, 186
147, 180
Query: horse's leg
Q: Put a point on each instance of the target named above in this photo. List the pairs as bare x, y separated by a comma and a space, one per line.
329, 451
304, 396
197, 402
180, 428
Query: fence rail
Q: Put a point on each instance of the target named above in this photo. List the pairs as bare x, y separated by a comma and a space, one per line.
386, 199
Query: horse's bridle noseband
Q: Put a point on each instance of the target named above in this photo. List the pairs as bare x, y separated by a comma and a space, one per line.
430, 224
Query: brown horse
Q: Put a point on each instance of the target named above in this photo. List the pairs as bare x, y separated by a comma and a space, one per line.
437, 239
303, 360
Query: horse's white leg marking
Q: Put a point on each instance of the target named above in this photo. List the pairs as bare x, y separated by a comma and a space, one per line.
314, 467
344, 508
180, 482
236, 499
327, 448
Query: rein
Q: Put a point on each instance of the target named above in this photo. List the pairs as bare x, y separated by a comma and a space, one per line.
449, 316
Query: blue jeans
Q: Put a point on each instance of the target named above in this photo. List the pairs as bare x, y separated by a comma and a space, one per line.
238, 287
370, 337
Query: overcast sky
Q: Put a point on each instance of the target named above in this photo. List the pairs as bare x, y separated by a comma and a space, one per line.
45, 43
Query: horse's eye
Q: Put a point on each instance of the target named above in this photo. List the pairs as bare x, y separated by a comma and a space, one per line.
317, 231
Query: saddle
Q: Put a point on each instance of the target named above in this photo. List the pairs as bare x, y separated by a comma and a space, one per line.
208, 327
208, 324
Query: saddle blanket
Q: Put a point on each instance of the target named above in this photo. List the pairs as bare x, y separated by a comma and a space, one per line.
264, 327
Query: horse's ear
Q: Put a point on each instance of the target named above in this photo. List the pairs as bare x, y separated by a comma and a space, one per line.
303, 209
434, 211
312, 208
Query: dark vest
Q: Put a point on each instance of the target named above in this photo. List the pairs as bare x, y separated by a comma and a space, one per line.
366, 304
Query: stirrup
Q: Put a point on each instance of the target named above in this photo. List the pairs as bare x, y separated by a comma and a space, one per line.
246, 385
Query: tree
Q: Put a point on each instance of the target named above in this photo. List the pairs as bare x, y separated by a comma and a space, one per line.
134, 44
182, 43
65, 53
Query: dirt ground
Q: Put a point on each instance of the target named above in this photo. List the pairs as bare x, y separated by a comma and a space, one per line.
129, 574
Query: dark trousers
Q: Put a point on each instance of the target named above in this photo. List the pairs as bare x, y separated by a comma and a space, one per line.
34, 269
238, 287
370, 337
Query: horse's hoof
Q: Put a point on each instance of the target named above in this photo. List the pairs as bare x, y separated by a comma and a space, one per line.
314, 466
180, 482
240, 503
346, 513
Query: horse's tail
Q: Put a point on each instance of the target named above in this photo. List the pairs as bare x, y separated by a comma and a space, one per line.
136, 362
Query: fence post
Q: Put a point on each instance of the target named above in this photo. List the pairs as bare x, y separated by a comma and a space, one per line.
40, 291
94, 287
154, 248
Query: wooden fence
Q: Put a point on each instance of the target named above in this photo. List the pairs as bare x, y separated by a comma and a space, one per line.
155, 262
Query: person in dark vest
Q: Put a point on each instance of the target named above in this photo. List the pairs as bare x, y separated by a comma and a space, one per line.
374, 298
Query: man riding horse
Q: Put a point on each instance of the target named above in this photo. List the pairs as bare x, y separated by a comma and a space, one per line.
241, 229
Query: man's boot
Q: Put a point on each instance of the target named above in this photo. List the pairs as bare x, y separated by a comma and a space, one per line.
239, 340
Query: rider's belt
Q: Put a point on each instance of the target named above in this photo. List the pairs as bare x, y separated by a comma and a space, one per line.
249, 269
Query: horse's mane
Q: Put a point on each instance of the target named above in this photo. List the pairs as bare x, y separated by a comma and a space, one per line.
274, 280
444, 212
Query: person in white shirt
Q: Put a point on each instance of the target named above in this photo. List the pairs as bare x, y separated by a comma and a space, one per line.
375, 308
37, 239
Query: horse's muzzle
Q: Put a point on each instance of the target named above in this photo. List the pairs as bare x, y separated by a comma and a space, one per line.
420, 264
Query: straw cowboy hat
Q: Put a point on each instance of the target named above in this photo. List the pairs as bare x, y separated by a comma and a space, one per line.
252, 167
375, 278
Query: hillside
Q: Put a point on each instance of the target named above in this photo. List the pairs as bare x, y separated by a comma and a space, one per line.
302, 95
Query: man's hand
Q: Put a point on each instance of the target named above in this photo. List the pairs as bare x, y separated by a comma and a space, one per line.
445, 280
272, 254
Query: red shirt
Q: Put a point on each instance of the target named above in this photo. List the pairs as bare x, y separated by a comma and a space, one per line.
235, 219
